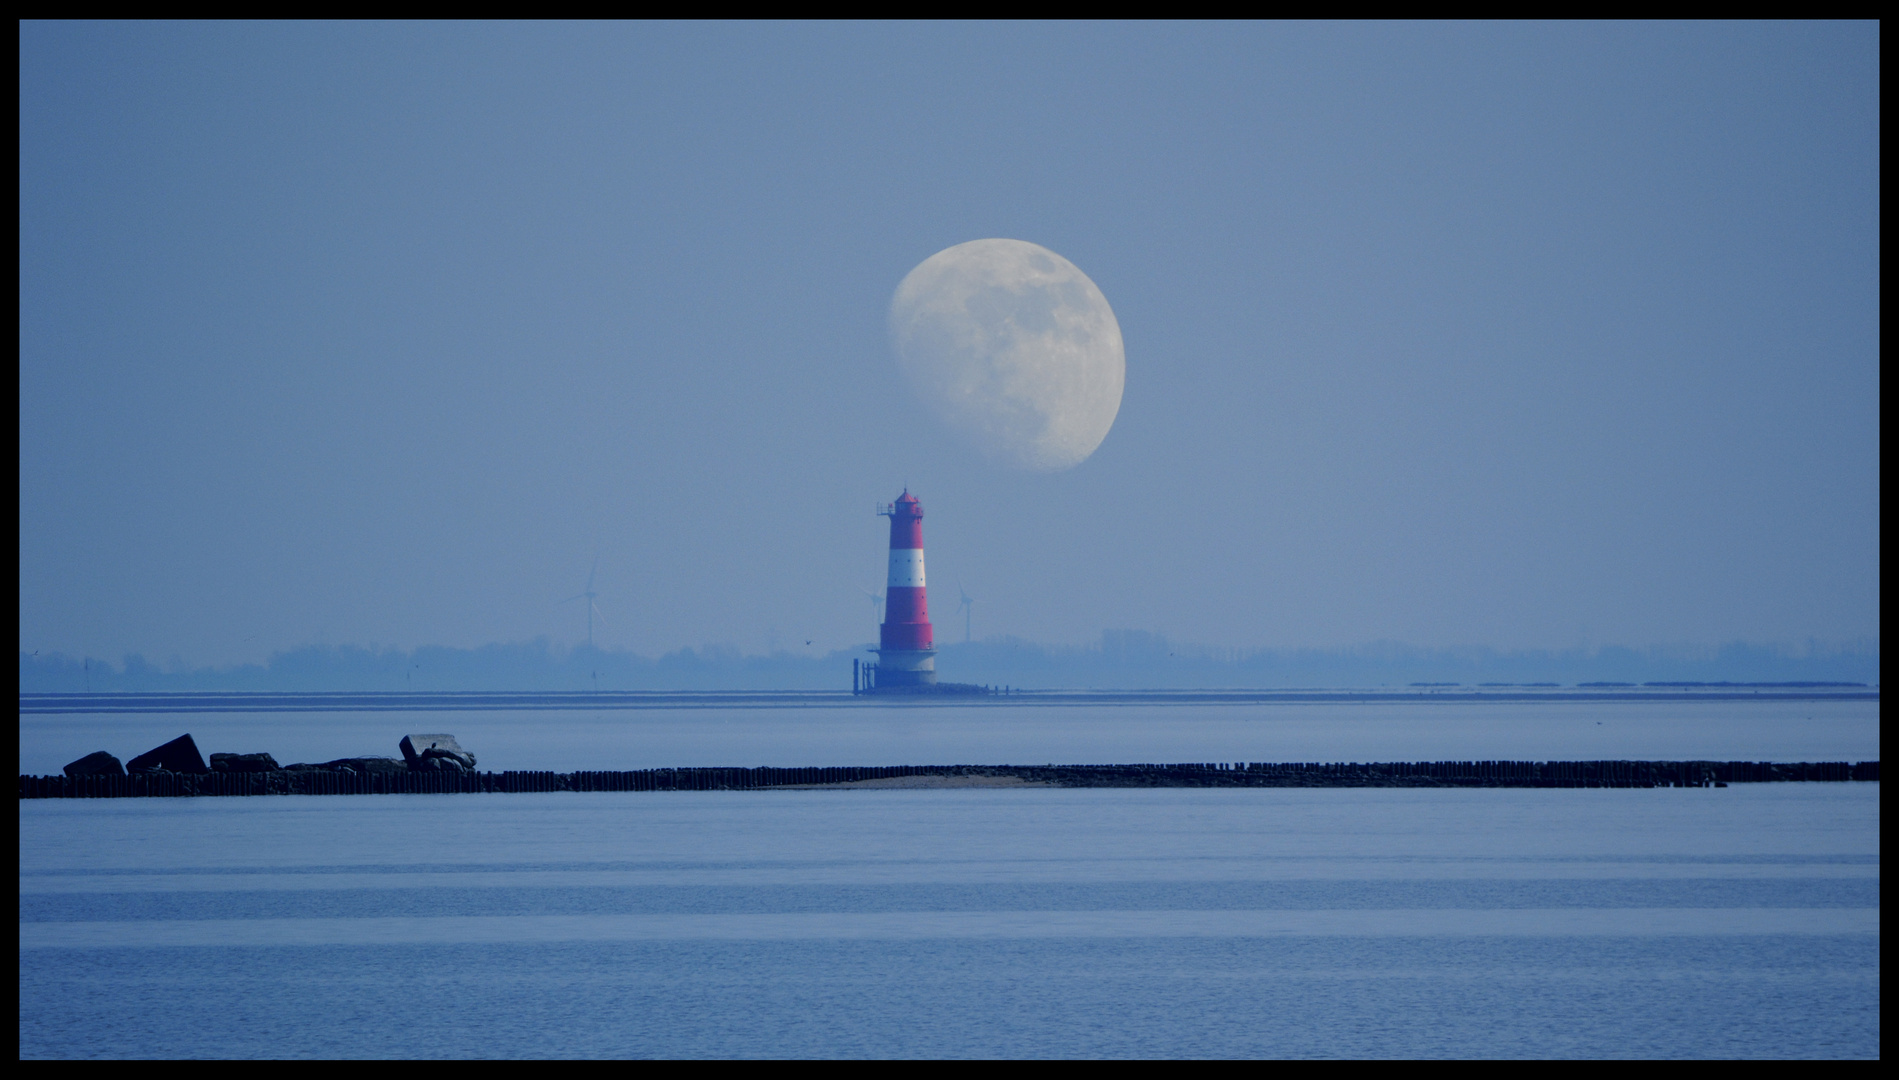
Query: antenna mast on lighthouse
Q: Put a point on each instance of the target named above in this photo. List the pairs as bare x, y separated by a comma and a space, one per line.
906, 653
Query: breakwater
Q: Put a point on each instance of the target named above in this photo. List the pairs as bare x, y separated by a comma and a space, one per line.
1537, 774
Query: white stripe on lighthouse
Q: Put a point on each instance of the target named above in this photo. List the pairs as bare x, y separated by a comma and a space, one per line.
906, 568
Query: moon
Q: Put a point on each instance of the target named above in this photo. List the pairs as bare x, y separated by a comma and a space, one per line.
1014, 349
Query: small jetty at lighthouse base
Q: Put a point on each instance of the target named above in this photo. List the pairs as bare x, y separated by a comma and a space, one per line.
942, 689
865, 683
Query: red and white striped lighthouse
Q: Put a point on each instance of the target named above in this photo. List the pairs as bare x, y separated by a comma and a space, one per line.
906, 654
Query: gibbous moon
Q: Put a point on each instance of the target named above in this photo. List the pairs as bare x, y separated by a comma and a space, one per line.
1014, 348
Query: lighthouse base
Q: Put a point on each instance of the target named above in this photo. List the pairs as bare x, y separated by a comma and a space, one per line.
904, 668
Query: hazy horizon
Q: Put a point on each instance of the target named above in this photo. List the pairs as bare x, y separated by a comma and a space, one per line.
1119, 659
1521, 337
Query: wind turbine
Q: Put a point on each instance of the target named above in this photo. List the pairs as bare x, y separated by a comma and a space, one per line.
876, 603
968, 604
592, 608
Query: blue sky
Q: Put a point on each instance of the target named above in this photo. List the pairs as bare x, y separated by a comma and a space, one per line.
1527, 336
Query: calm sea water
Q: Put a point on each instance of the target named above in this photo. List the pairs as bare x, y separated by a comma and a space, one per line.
1731, 922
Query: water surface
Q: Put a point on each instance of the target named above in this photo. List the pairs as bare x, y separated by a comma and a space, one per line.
983, 922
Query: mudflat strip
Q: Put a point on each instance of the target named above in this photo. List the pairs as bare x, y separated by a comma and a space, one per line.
968, 780
325, 780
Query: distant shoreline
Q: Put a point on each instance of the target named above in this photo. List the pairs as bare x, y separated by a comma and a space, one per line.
536, 701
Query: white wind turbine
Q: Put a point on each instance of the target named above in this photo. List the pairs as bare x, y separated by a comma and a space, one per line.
876, 604
592, 608
967, 605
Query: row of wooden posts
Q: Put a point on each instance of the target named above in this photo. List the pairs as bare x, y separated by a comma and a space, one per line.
1644, 774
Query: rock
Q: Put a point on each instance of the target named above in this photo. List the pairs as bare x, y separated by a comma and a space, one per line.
441, 761
243, 763
178, 755
372, 764
433, 753
96, 764
361, 765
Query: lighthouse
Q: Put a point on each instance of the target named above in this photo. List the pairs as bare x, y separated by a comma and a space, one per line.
906, 654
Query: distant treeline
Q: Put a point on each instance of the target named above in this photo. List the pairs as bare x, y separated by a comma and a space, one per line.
1122, 659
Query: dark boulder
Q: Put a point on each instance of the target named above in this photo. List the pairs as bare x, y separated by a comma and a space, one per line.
178, 755
243, 763
359, 765
436, 753
95, 764
373, 764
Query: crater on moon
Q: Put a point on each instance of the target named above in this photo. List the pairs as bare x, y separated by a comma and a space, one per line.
1014, 348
